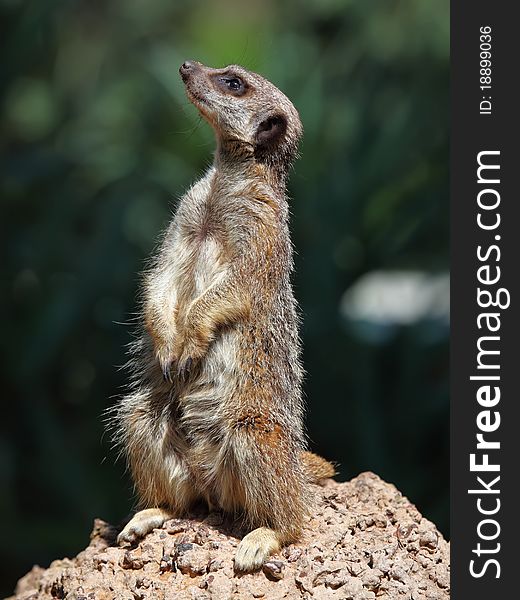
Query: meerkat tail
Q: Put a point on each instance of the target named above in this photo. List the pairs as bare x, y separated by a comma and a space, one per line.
316, 468
142, 523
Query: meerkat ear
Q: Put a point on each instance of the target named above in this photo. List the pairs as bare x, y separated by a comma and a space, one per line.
270, 131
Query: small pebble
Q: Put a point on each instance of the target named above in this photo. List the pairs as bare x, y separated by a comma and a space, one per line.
274, 569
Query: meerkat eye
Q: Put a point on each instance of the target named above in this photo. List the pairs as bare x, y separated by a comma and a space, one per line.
234, 84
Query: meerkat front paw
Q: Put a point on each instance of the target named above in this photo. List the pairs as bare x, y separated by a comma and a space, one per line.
255, 548
180, 358
142, 523
166, 360
164, 351
193, 349
163, 335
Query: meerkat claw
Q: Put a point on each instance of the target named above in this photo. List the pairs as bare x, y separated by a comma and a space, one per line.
184, 368
142, 523
166, 365
167, 371
255, 548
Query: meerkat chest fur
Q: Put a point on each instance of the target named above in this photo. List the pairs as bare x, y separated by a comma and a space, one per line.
217, 223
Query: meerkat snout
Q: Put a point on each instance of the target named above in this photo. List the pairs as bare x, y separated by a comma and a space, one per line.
185, 69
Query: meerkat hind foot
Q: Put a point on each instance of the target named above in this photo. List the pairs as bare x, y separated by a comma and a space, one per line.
142, 523
255, 547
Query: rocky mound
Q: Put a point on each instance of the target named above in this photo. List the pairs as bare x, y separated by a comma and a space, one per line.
365, 541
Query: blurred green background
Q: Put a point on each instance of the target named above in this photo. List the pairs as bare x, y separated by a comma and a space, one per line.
97, 140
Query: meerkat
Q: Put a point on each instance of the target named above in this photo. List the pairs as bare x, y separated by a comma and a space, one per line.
215, 410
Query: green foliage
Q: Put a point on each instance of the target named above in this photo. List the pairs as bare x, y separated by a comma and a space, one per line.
98, 139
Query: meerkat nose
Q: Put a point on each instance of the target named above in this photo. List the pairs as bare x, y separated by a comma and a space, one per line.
187, 67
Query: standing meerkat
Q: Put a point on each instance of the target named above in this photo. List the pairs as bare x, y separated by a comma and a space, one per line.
215, 409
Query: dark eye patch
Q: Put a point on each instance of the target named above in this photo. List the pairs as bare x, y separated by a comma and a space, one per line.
231, 84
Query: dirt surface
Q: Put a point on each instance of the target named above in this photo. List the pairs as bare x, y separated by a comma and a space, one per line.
364, 541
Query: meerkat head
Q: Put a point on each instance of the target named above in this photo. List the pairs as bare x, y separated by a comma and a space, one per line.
248, 113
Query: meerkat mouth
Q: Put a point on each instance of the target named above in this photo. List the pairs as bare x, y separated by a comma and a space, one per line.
186, 70
201, 104
195, 97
